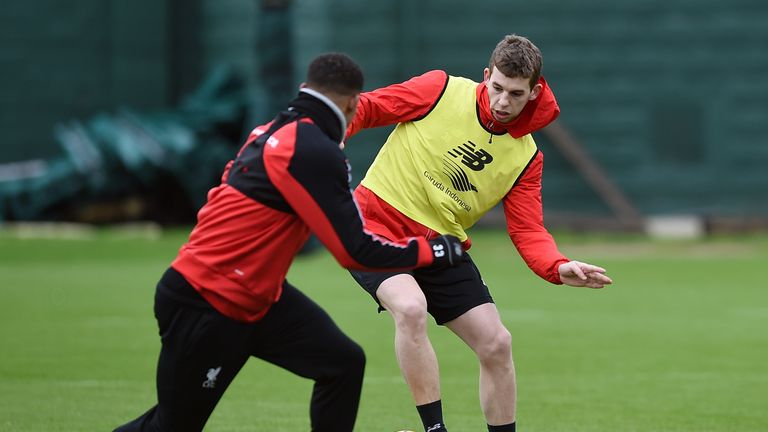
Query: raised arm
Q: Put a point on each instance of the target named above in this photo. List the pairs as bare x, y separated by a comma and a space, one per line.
406, 101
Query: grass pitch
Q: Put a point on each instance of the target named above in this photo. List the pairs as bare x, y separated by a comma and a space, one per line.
678, 343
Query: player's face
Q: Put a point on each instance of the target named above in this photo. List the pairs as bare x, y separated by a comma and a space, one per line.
508, 96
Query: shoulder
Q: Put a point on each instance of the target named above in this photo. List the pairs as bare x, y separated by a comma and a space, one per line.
302, 149
462, 81
434, 75
300, 138
312, 144
430, 79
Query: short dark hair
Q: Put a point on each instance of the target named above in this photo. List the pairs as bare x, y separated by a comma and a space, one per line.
336, 73
517, 57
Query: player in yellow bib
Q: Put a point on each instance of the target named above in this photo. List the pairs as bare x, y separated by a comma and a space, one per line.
459, 149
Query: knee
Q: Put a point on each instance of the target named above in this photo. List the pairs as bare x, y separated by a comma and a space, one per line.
342, 361
497, 349
351, 357
411, 316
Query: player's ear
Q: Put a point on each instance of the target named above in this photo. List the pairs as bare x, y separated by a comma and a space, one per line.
350, 107
535, 91
486, 74
303, 85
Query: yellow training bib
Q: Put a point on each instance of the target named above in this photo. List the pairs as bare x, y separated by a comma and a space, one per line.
442, 171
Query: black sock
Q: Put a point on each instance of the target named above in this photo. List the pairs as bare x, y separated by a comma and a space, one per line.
432, 416
502, 428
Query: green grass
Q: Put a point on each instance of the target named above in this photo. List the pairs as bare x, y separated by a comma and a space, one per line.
679, 343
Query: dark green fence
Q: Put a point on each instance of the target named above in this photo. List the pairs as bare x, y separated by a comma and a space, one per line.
669, 97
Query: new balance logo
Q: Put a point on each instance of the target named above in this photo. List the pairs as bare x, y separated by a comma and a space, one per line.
436, 427
211, 375
473, 159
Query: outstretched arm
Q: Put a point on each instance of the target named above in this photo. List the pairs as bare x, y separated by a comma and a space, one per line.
312, 176
397, 103
525, 224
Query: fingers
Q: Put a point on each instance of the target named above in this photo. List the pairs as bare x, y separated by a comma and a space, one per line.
581, 274
576, 270
597, 280
591, 274
599, 277
589, 268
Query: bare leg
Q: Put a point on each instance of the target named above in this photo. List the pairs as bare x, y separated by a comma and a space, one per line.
405, 301
482, 330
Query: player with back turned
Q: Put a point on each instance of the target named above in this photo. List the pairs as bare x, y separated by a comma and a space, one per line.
225, 297
459, 149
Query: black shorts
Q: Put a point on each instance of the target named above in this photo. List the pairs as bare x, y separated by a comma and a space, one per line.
450, 292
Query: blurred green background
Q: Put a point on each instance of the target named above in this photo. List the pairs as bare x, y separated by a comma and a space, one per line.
668, 97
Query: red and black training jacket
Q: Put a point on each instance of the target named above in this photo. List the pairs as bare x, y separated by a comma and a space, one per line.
290, 178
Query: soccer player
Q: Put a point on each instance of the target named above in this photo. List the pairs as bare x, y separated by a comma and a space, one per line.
460, 148
225, 297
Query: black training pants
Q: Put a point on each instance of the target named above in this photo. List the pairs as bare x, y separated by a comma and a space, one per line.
202, 352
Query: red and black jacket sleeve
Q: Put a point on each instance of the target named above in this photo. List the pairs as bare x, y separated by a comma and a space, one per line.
298, 169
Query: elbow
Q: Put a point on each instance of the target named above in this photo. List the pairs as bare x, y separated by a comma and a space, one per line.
349, 263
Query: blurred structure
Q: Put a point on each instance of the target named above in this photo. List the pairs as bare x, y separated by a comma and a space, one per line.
668, 99
126, 165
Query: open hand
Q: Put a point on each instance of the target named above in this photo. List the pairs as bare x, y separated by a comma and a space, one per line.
579, 274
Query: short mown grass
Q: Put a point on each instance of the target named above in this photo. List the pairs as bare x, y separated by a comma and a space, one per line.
678, 343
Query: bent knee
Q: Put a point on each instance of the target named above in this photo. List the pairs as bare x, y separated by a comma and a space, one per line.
498, 347
403, 298
411, 314
343, 360
352, 356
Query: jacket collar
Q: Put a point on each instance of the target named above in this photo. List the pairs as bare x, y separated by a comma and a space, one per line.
325, 114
